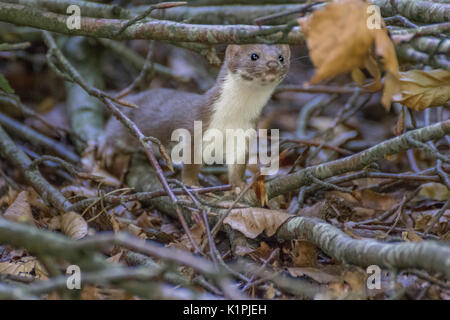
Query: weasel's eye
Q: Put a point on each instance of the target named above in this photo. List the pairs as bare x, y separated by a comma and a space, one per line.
281, 59
254, 57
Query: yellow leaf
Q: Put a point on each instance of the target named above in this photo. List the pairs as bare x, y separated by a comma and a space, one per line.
253, 221
418, 89
435, 191
391, 86
339, 40
384, 48
412, 236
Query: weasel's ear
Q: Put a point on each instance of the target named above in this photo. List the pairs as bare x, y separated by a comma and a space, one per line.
231, 51
286, 50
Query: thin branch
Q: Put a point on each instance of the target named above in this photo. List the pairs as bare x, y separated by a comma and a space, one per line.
357, 161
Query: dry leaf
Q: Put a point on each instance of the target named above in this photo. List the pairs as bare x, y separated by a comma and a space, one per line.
410, 235
322, 276
20, 210
253, 221
262, 252
368, 199
90, 292
73, 225
435, 191
356, 279
166, 157
260, 190
9, 197
197, 231
92, 166
339, 40
270, 293
115, 258
136, 231
303, 254
24, 267
418, 89
422, 221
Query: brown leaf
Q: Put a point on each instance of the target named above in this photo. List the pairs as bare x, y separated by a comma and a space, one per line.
303, 254
262, 252
24, 267
418, 89
322, 276
73, 225
260, 190
253, 221
410, 235
91, 166
20, 210
368, 199
270, 293
197, 231
340, 41
435, 191
9, 197
356, 279
166, 157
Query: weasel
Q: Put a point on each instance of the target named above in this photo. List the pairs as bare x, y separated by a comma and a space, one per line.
245, 83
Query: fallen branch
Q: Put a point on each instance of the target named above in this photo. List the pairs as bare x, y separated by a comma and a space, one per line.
84, 253
293, 181
19, 159
36, 138
151, 29
428, 255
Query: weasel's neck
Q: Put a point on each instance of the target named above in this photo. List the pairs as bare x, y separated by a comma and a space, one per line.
239, 103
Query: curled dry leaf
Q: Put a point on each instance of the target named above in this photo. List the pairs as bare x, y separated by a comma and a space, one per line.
166, 157
418, 89
253, 221
340, 40
260, 190
20, 210
92, 166
73, 225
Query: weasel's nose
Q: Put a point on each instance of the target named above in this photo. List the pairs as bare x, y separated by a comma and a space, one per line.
272, 65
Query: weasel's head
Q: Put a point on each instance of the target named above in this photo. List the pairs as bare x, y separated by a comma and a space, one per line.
260, 64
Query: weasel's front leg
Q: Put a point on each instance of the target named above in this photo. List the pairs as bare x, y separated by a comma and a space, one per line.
236, 175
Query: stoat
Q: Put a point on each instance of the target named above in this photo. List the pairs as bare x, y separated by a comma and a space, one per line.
245, 83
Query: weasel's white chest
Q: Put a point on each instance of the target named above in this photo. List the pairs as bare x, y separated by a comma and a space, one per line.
235, 112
